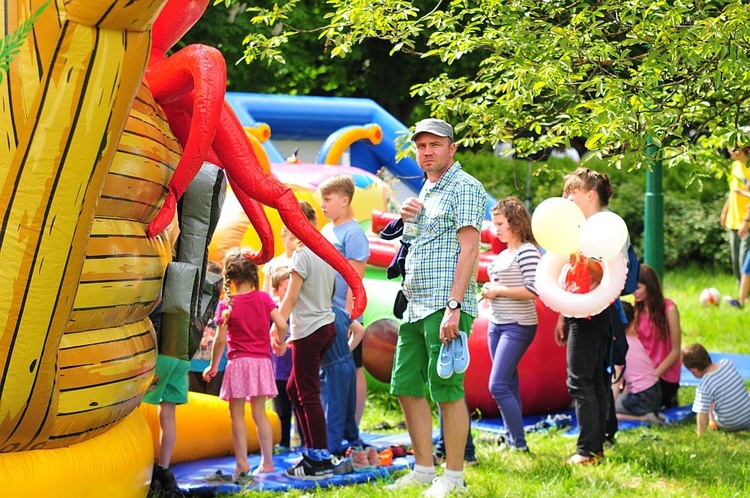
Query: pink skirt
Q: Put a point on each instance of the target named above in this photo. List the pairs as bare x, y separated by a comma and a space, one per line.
248, 378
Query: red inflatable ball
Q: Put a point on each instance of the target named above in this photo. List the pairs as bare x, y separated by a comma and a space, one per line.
541, 371
379, 348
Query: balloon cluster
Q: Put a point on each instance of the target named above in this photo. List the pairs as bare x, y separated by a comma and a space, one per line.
562, 230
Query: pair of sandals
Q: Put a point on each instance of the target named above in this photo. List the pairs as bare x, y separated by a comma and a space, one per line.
454, 356
218, 477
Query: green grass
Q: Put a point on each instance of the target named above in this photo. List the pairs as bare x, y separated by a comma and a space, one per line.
668, 461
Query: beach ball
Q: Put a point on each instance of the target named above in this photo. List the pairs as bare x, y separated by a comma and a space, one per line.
710, 297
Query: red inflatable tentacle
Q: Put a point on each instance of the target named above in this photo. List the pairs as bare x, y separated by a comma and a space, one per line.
171, 82
259, 220
294, 219
243, 168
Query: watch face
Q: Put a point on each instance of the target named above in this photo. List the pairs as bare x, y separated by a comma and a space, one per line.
453, 304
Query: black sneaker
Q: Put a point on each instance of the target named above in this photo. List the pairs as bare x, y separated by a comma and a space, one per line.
163, 482
311, 469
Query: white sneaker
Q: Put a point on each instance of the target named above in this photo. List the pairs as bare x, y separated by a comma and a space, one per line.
410, 480
443, 487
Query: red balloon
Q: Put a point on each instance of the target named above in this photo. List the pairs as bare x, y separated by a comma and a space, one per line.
541, 371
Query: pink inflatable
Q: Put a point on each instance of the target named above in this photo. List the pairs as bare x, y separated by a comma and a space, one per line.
541, 371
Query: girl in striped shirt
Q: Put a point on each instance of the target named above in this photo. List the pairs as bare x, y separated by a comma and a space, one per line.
513, 318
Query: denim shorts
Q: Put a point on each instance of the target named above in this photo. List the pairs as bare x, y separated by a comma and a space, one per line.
639, 403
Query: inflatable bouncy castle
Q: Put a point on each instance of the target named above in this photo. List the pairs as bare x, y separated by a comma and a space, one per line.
104, 133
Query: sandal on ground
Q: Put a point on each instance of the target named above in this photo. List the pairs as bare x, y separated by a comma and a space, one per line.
218, 477
244, 479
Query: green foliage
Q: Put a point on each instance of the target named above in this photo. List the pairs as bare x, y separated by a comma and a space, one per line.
692, 233
626, 76
11, 44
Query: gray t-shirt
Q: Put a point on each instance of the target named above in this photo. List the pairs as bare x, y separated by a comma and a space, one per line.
313, 307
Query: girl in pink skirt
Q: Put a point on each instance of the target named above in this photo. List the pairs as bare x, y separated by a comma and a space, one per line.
243, 319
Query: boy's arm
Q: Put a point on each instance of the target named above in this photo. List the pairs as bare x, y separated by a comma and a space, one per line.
356, 334
701, 421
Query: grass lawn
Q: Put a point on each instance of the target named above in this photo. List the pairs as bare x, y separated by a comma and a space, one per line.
668, 461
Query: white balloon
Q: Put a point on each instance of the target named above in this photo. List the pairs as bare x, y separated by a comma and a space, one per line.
603, 236
556, 224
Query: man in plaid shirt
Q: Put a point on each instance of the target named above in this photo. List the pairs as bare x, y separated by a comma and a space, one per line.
441, 289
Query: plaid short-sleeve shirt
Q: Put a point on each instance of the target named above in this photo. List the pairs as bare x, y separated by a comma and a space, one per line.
457, 200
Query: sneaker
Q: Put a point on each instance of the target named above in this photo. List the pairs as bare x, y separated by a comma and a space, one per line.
243, 479
733, 302
460, 347
445, 361
311, 469
410, 480
360, 462
163, 481
442, 487
342, 465
373, 457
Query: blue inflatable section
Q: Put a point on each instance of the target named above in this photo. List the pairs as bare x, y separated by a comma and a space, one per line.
316, 118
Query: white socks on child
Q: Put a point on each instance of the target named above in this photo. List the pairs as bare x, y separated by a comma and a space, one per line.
456, 476
424, 474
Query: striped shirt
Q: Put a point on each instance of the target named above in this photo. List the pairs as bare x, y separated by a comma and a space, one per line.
515, 269
455, 201
725, 390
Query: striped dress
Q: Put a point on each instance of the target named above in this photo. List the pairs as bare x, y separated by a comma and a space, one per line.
515, 269
725, 390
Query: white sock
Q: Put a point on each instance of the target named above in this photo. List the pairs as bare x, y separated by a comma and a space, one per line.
424, 473
456, 476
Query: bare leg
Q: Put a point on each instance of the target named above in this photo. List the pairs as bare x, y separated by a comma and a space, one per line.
239, 434
265, 436
418, 419
744, 288
168, 427
455, 430
361, 394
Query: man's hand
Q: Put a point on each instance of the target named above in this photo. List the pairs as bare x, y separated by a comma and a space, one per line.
410, 208
449, 325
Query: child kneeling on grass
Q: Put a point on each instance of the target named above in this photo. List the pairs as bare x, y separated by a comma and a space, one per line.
721, 396
641, 397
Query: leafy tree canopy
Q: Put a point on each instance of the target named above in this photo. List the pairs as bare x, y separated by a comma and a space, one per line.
624, 74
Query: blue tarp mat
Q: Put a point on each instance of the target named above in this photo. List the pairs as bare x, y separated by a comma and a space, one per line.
495, 425
190, 475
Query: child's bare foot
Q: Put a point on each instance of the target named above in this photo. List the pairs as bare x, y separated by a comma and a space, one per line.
263, 469
239, 471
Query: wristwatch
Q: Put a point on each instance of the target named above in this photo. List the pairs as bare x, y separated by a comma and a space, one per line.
453, 304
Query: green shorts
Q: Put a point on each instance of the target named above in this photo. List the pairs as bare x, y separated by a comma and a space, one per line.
415, 364
170, 382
